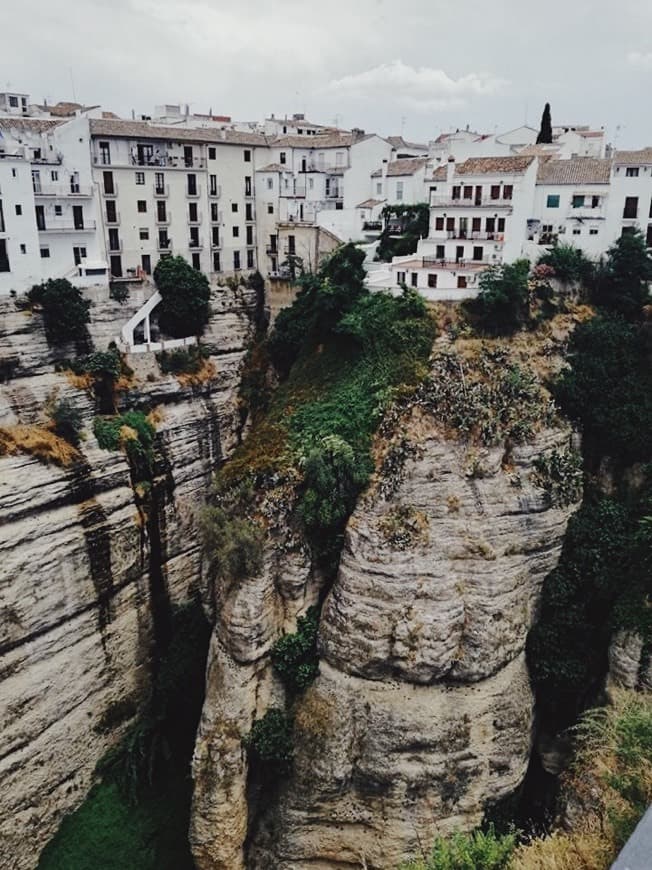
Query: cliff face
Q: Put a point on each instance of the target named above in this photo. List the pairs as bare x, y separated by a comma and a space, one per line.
422, 712
85, 573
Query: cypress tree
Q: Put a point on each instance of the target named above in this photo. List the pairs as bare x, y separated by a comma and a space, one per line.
545, 132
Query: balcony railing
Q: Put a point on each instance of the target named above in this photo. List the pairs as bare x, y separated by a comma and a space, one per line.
54, 159
271, 251
161, 190
585, 212
215, 192
66, 226
472, 236
372, 225
482, 202
192, 193
61, 191
462, 263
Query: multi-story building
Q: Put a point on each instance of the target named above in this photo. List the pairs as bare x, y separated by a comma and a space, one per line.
631, 194
176, 190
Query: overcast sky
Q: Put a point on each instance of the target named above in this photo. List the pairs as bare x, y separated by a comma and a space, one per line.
413, 66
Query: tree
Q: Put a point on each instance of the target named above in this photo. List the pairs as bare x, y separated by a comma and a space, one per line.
545, 131
622, 284
65, 311
502, 305
184, 310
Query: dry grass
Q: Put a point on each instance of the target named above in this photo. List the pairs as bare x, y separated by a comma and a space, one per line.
561, 851
39, 442
205, 375
80, 382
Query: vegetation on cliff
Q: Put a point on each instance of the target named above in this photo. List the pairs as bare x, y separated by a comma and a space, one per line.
184, 309
403, 226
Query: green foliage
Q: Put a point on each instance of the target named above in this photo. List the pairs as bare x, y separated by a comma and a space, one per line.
560, 474
270, 742
502, 305
105, 364
184, 309
621, 285
479, 850
133, 432
294, 656
404, 226
545, 131
119, 292
608, 389
182, 360
232, 539
570, 264
65, 311
67, 421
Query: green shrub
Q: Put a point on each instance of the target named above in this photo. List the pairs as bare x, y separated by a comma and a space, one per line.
132, 432
65, 311
103, 364
502, 305
270, 741
67, 421
404, 226
182, 361
621, 285
479, 850
232, 539
560, 474
294, 656
184, 309
119, 292
570, 264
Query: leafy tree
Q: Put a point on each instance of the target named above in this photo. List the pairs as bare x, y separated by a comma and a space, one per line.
184, 309
502, 305
404, 226
569, 263
545, 130
622, 284
65, 311
270, 741
294, 656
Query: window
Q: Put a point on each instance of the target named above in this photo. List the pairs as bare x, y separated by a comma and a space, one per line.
192, 184
143, 234
339, 158
311, 183
577, 231
432, 280
114, 240
439, 223
247, 155
111, 212
440, 252
292, 247
270, 184
249, 233
116, 266
23, 249
595, 202
632, 172
19, 209
495, 191
215, 216
414, 279
630, 210
159, 182
236, 232
58, 210
105, 153
4, 259
212, 183
468, 192
108, 182
217, 265
461, 281
140, 178
457, 190
249, 212
163, 241
45, 253
478, 252
13, 102
501, 225
78, 254
161, 211
250, 259
508, 190
236, 260
553, 200
270, 208
14, 174
234, 206
142, 206
400, 277
578, 201
215, 237
146, 262
196, 261
379, 187
399, 191
490, 225
247, 185
282, 157
628, 231
593, 231
54, 175
192, 212
212, 154
194, 237
450, 225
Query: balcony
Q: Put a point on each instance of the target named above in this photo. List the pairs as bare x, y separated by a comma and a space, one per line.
271, 251
473, 236
435, 262
215, 192
55, 192
193, 193
483, 202
66, 226
112, 221
585, 213
161, 190
51, 159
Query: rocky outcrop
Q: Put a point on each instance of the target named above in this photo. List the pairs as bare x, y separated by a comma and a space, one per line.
630, 662
422, 713
80, 559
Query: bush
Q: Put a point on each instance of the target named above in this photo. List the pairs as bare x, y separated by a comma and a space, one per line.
294, 656
119, 292
67, 421
479, 850
232, 541
270, 741
502, 305
182, 361
559, 473
133, 433
404, 226
621, 285
570, 264
65, 311
184, 309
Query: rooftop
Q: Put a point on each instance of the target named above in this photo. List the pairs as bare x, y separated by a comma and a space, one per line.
399, 142
577, 170
370, 203
515, 165
145, 130
320, 140
643, 155
29, 125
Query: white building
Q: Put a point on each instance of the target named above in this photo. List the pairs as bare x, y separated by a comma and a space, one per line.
630, 200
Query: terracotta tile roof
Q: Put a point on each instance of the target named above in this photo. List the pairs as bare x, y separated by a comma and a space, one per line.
145, 130
377, 173
590, 134
406, 166
400, 142
273, 167
326, 140
540, 150
577, 170
440, 173
34, 125
370, 203
516, 165
643, 155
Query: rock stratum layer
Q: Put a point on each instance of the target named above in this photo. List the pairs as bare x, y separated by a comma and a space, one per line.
81, 567
422, 712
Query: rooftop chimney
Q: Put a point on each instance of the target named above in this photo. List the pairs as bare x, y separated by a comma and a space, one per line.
450, 169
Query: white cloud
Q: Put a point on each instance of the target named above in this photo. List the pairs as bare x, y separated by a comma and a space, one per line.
641, 59
422, 89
